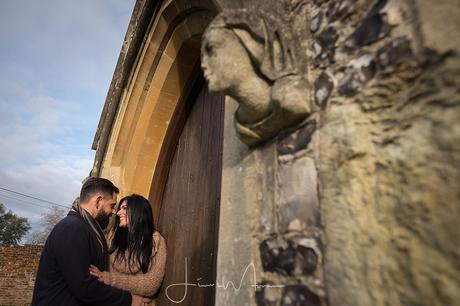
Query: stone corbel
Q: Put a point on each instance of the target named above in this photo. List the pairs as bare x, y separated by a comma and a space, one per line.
254, 58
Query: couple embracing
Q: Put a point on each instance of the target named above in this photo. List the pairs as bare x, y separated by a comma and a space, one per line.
82, 266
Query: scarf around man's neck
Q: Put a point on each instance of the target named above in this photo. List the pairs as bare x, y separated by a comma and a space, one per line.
96, 228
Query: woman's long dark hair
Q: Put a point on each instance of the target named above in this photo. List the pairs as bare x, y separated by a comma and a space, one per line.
136, 239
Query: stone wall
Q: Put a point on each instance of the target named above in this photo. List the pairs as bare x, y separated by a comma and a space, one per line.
389, 144
359, 204
271, 239
18, 267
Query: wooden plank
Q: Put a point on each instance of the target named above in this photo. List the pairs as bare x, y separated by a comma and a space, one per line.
190, 208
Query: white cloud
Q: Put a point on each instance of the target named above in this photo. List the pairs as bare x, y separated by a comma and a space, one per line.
57, 181
68, 42
55, 69
28, 126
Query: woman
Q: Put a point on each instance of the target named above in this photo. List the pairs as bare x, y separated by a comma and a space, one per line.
137, 252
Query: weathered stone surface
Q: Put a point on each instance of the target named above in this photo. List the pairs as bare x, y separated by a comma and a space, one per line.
293, 255
315, 23
437, 21
298, 255
383, 166
388, 161
247, 207
323, 88
394, 53
372, 28
389, 172
297, 140
308, 260
325, 45
339, 10
299, 295
268, 294
277, 255
298, 198
308, 247
358, 73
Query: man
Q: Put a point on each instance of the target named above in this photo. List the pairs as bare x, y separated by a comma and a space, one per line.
74, 244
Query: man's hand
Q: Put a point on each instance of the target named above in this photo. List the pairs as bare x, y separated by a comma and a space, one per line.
94, 271
140, 301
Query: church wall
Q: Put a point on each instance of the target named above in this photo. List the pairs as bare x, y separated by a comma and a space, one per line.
164, 65
359, 205
355, 204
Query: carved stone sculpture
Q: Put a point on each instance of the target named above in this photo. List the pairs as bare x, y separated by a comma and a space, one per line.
252, 58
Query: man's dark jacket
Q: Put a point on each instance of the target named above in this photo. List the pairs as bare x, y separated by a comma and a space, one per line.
63, 274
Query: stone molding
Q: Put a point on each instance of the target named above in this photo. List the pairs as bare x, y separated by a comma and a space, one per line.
156, 82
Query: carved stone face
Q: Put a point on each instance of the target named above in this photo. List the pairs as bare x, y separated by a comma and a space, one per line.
224, 61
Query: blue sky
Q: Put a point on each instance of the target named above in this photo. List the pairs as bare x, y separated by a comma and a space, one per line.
57, 58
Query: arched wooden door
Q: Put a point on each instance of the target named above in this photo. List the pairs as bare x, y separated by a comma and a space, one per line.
190, 204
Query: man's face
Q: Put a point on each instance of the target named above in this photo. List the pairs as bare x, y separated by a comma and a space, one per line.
106, 209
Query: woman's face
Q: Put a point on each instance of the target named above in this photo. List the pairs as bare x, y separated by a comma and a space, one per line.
123, 215
222, 61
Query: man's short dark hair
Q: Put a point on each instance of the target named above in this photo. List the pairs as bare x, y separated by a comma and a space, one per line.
97, 184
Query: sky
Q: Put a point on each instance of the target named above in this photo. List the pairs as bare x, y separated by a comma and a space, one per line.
57, 58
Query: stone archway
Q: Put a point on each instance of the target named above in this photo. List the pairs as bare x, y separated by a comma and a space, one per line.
158, 96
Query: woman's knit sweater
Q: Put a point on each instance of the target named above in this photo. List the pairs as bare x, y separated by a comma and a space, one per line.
133, 280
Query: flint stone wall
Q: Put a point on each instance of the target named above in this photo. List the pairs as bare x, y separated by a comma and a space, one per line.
371, 181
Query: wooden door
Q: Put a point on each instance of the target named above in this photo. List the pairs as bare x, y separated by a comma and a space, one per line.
189, 213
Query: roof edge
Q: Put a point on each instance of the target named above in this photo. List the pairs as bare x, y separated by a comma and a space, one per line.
143, 13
